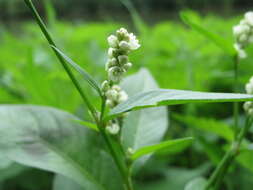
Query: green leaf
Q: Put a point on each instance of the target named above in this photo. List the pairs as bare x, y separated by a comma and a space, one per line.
163, 97
79, 69
196, 184
170, 180
87, 124
167, 145
208, 125
64, 183
144, 127
9, 169
219, 41
48, 139
138, 22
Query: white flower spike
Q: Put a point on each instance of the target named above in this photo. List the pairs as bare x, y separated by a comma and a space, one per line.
243, 33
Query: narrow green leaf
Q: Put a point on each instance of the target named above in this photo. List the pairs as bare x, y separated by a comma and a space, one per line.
163, 97
48, 139
87, 124
170, 144
196, 184
219, 41
207, 124
138, 22
79, 69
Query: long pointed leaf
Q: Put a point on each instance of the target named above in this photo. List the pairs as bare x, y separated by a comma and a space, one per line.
170, 144
163, 97
79, 69
219, 41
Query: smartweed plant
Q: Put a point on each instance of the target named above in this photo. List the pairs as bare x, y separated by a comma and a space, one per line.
128, 126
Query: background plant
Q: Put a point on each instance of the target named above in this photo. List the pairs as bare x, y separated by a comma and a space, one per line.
152, 70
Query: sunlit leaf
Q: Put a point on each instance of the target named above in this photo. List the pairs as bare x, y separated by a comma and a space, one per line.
163, 97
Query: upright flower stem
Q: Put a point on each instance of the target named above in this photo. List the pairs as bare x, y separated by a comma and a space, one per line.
222, 168
99, 120
236, 90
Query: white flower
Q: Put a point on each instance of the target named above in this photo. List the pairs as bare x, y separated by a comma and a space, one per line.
113, 129
127, 66
110, 103
240, 29
241, 53
115, 74
105, 86
249, 18
113, 41
122, 34
112, 94
133, 42
122, 96
111, 52
124, 45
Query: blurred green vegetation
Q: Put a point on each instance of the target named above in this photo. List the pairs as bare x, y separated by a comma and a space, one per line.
178, 57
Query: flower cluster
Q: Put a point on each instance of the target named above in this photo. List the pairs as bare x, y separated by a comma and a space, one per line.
121, 45
114, 94
243, 33
118, 63
248, 106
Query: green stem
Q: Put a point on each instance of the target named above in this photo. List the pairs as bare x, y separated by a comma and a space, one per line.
236, 90
60, 58
123, 167
221, 170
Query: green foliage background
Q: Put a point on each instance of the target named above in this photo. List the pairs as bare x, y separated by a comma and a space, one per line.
178, 58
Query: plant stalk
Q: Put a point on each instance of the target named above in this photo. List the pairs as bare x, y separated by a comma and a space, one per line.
222, 168
236, 90
64, 64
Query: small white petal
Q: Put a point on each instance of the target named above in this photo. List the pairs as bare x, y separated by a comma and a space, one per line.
249, 18
125, 46
113, 41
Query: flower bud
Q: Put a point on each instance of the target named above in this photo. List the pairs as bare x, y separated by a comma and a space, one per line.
109, 103
127, 66
105, 86
124, 46
113, 129
116, 87
249, 18
115, 74
111, 52
123, 59
122, 34
122, 96
112, 94
113, 41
